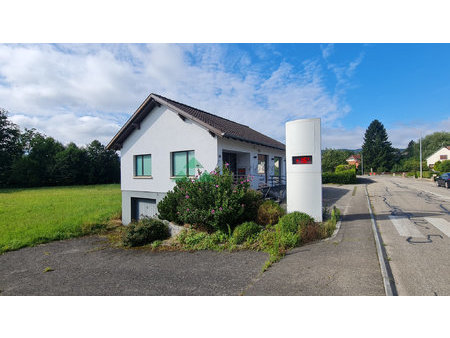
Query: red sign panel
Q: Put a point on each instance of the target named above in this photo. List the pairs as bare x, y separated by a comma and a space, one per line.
302, 159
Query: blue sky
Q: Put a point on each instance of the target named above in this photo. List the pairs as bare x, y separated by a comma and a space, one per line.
78, 92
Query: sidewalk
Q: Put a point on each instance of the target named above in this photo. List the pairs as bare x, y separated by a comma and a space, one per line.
343, 266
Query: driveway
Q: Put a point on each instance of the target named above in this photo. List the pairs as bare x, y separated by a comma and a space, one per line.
88, 266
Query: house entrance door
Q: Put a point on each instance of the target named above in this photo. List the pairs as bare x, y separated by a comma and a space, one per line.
231, 159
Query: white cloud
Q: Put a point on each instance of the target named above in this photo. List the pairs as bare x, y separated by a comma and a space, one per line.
401, 134
82, 92
327, 50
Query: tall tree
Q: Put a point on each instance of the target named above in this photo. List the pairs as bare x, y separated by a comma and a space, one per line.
104, 165
71, 166
36, 166
377, 150
10, 148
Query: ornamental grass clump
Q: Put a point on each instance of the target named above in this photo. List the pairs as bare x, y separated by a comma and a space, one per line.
269, 213
210, 201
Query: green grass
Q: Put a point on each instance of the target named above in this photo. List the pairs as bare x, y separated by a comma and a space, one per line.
38, 215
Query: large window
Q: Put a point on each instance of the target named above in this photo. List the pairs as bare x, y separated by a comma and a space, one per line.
183, 163
143, 165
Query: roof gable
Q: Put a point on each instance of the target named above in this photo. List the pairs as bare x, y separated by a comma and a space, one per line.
217, 125
437, 151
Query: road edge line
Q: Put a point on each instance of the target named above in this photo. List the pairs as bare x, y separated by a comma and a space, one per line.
381, 258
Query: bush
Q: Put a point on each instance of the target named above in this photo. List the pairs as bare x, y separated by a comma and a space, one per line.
252, 200
167, 207
426, 174
269, 213
295, 221
444, 166
145, 231
244, 231
210, 201
344, 167
343, 177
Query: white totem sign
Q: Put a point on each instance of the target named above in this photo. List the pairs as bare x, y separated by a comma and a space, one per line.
304, 167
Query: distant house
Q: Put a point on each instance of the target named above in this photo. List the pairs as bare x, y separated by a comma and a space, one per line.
440, 155
164, 140
354, 160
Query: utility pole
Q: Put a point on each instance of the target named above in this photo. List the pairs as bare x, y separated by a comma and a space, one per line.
420, 146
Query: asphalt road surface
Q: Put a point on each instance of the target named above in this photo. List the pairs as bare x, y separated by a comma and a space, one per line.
414, 221
88, 266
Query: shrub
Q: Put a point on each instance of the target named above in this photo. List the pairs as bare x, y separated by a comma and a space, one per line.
252, 200
445, 166
344, 167
210, 201
343, 177
167, 207
426, 174
244, 231
310, 232
269, 213
145, 231
295, 221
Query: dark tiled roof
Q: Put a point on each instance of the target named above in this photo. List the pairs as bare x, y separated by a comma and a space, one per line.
215, 124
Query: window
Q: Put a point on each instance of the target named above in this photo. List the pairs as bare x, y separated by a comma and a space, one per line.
143, 165
277, 166
183, 163
443, 157
262, 164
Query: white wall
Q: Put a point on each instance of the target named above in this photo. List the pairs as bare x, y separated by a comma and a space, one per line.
254, 150
436, 156
161, 133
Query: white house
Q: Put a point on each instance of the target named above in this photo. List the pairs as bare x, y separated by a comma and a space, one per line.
442, 154
165, 139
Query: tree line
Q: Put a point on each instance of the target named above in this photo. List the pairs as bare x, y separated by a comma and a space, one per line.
32, 159
380, 156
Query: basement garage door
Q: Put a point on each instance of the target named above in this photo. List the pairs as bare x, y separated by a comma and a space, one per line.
143, 207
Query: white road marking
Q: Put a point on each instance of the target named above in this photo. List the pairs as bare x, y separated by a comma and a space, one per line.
405, 227
441, 224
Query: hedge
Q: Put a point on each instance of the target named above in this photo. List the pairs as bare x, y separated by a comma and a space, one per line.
343, 177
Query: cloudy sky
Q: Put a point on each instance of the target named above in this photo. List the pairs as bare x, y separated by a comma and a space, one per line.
81, 92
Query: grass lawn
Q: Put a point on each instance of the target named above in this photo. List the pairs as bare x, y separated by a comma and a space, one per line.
38, 215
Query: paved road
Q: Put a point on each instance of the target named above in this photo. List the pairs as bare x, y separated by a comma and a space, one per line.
414, 220
345, 265
87, 266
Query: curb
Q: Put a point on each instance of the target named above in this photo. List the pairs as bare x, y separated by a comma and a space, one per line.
388, 280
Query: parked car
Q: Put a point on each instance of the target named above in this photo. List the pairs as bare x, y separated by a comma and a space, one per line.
443, 180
